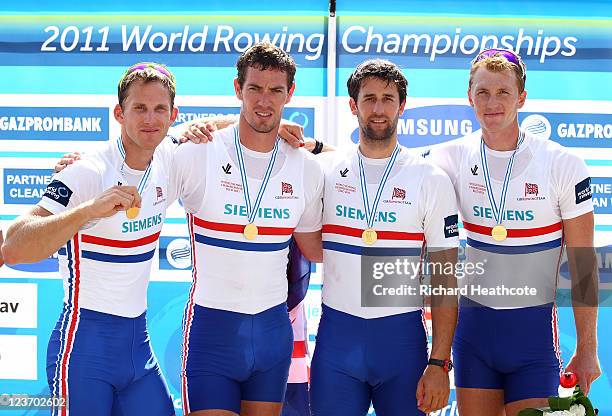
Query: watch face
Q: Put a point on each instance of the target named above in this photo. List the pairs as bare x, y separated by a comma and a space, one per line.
448, 365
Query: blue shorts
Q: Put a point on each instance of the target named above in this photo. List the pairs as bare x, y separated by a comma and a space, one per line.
233, 356
515, 350
104, 365
297, 402
358, 361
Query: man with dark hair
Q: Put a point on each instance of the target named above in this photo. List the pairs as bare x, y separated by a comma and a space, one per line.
379, 69
246, 194
105, 214
266, 56
522, 199
380, 200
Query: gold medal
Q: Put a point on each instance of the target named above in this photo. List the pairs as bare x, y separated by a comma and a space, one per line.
369, 236
499, 233
250, 231
132, 213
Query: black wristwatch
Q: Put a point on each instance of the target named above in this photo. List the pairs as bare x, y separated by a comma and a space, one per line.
318, 147
447, 365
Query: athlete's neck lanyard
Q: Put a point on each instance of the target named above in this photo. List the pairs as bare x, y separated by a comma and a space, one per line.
133, 212
369, 235
499, 232
250, 230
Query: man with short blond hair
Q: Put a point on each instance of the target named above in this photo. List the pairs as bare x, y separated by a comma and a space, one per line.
522, 200
104, 215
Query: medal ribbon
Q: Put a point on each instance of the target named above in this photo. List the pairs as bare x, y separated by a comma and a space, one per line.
498, 212
143, 181
370, 211
252, 209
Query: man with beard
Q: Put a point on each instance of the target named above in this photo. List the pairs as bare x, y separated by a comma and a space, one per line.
380, 200
246, 193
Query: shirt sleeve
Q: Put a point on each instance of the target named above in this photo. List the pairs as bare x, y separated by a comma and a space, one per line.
165, 153
572, 182
313, 194
188, 175
447, 157
439, 205
76, 184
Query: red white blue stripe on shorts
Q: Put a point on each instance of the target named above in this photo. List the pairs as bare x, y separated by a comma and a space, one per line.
69, 327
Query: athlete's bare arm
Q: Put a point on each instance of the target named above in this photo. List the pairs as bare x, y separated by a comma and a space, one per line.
433, 389
38, 234
309, 144
578, 233
310, 245
200, 131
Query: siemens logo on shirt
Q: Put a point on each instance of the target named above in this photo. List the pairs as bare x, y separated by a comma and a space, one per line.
273, 213
139, 225
357, 214
510, 214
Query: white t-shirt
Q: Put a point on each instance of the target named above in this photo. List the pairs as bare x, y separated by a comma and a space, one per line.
231, 272
106, 265
548, 185
417, 209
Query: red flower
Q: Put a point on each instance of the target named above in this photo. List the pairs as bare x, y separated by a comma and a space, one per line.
568, 380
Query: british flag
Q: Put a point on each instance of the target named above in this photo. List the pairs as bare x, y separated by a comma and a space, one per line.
286, 188
399, 193
531, 189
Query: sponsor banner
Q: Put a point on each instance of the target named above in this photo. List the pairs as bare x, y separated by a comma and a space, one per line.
450, 42
601, 189
18, 357
429, 125
18, 305
570, 129
25, 186
304, 116
176, 40
54, 123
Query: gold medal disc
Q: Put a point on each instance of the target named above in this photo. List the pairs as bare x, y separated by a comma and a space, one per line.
499, 233
132, 213
369, 236
250, 231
